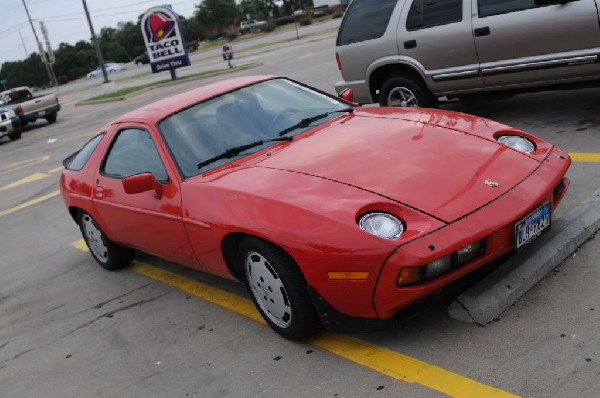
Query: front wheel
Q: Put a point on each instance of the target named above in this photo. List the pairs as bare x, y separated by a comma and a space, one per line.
15, 135
278, 289
406, 92
106, 252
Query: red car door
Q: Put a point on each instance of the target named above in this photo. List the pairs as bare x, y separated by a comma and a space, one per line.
141, 220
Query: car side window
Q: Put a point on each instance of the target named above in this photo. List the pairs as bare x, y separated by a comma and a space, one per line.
133, 152
365, 20
427, 13
494, 7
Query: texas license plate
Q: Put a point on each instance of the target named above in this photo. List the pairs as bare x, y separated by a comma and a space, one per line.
533, 225
42, 113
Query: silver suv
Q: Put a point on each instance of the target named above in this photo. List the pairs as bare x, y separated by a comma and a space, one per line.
410, 52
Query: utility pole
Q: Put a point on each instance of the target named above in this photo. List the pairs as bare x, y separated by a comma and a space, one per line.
96, 44
41, 49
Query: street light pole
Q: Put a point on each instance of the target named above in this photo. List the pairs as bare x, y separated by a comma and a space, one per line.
96, 44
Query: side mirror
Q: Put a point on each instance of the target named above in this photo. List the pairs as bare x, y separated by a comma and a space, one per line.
347, 95
143, 182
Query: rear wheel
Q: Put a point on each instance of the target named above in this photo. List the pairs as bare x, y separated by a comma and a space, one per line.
107, 253
278, 289
51, 118
406, 92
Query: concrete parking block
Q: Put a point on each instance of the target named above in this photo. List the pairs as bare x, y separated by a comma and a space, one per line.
489, 298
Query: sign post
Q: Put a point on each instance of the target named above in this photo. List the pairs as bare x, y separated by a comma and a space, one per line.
228, 53
165, 43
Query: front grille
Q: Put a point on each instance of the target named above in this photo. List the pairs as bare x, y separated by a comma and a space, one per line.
3, 116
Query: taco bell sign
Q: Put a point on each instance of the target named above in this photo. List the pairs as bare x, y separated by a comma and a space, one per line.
164, 39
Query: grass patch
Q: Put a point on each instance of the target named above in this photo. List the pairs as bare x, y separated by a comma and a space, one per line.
129, 90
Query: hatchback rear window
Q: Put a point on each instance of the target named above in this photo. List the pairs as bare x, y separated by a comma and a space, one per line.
365, 20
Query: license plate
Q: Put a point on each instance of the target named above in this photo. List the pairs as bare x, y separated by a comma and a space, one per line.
42, 113
533, 225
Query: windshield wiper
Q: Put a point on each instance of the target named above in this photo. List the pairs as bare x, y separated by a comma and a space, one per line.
236, 150
308, 120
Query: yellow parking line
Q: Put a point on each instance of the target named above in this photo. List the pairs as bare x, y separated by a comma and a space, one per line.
29, 203
585, 157
390, 363
26, 180
31, 178
54, 170
23, 163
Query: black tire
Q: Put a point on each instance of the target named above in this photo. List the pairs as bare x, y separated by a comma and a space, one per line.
108, 254
51, 118
15, 135
406, 91
283, 289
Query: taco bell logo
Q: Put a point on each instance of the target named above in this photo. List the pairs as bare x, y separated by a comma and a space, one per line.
159, 26
164, 39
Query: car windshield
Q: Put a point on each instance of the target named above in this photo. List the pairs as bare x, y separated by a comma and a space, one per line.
253, 113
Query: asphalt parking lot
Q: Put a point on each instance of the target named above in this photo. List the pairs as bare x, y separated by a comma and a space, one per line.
70, 329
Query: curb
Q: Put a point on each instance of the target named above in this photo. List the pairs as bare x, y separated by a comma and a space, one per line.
490, 297
169, 83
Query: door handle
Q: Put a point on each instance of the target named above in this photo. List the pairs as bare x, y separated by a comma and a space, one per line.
410, 44
485, 31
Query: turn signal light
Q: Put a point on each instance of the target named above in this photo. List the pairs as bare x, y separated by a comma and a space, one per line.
409, 276
348, 275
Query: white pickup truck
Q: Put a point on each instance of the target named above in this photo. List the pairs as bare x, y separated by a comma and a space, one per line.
27, 107
7, 122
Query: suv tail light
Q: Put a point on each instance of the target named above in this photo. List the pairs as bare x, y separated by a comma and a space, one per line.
339, 63
19, 110
56, 98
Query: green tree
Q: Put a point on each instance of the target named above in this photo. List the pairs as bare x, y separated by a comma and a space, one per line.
29, 72
217, 15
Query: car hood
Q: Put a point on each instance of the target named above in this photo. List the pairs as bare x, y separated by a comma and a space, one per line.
442, 171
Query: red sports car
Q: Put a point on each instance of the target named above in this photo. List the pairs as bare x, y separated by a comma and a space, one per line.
330, 213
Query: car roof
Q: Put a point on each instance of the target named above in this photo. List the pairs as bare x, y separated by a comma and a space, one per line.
156, 111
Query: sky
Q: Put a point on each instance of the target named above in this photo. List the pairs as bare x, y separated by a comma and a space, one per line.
66, 22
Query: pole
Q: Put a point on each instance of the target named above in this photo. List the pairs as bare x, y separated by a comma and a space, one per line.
96, 44
40, 48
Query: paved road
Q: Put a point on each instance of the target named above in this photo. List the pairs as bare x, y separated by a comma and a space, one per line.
70, 329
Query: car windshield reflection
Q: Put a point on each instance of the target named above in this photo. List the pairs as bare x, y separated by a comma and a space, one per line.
254, 113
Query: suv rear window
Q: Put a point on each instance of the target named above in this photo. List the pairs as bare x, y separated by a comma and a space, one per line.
424, 14
365, 20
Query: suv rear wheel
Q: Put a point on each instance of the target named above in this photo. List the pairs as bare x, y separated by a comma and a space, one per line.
406, 92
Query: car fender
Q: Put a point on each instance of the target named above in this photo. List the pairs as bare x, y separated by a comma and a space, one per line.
324, 236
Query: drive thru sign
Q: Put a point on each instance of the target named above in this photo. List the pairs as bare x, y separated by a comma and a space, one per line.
164, 39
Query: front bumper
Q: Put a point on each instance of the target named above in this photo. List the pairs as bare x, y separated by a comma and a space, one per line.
495, 223
6, 127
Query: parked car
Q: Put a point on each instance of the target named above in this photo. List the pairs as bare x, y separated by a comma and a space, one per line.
28, 107
110, 68
251, 23
324, 210
8, 120
411, 52
142, 59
